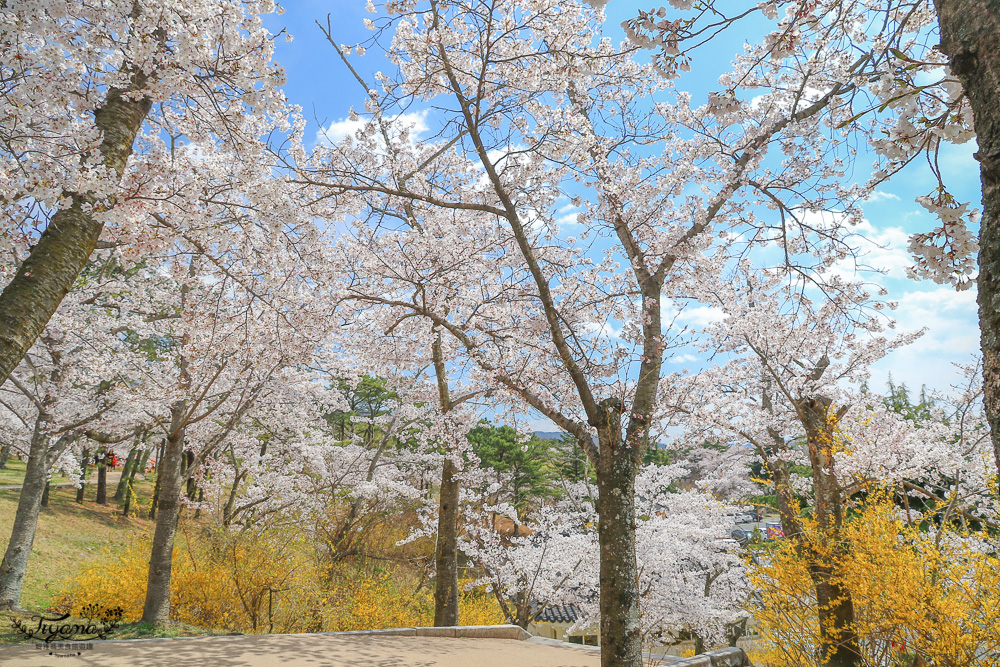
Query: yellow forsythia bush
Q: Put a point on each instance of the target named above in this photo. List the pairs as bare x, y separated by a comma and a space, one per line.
913, 593
263, 583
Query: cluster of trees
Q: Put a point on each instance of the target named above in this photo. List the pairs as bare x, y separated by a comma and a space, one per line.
181, 267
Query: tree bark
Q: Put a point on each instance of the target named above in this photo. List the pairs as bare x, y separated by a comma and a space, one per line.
834, 602
54, 263
621, 634
84, 459
156, 609
446, 550
102, 477
5, 454
192, 484
130, 463
156, 485
227, 511
29, 503
45, 493
970, 33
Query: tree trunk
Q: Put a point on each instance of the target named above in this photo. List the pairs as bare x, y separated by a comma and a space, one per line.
156, 485
130, 463
143, 462
139, 464
84, 460
102, 477
45, 493
446, 551
201, 499
5, 455
227, 511
157, 606
970, 32
835, 608
29, 503
621, 636
835, 605
192, 485
54, 263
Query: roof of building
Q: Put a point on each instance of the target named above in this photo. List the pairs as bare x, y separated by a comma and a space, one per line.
559, 613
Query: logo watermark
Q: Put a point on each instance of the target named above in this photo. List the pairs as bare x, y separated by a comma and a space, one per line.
95, 621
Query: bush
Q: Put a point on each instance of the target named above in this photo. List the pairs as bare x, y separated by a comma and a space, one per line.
916, 592
264, 583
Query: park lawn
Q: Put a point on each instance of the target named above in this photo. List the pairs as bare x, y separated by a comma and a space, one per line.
13, 473
70, 534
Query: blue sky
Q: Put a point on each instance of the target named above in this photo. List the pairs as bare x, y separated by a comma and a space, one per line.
319, 83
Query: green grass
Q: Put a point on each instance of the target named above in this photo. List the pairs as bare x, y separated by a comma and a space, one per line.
13, 473
70, 534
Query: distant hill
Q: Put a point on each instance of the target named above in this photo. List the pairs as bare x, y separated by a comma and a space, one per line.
549, 435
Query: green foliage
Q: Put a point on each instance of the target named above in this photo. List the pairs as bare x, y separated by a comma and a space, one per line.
367, 399
570, 462
898, 400
523, 468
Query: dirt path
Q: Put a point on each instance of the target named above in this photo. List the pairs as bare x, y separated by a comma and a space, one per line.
304, 651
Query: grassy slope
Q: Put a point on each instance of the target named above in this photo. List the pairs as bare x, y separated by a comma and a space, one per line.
68, 535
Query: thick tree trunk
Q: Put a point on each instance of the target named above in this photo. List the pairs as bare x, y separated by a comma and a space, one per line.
446, 551
970, 33
54, 263
45, 493
835, 605
157, 606
22, 536
835, 608
621, 636
5, 454
84, 460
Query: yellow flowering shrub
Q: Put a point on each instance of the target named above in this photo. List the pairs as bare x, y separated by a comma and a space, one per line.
919, 595
249, 583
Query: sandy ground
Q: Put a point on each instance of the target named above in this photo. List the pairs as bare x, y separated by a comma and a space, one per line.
303, 651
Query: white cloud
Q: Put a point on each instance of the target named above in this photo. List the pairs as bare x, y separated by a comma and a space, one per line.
701, 316
884, 249
605, 330
682, 359
952, 336
568, 220
414, 122
878, 195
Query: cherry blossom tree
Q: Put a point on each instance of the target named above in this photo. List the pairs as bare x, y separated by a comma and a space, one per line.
69, 386
917, 74
539, 117
791, 359
95, 96
691, 582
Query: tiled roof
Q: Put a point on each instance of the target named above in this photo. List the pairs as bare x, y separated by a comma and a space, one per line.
559, 613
